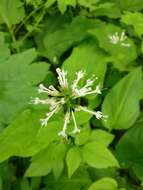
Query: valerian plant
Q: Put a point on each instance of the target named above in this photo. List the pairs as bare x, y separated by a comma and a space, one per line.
71, 95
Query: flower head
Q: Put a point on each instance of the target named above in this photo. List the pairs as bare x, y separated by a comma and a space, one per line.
57, 100
119, 39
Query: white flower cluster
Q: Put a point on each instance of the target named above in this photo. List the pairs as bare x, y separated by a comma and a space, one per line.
119, 39
56, 99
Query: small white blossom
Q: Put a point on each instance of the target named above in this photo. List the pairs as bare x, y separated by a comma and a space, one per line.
97, 114
76, 129
57, 100
66, 121
62, 78
119, 39
49, 115
98, 90
79, 75
85, 90
51, 91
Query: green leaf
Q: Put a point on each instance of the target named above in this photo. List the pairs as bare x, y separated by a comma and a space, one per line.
134, 19
24, 184
104, 184
4, 49
131, 5
62, 4
89, 58
24, 136
73, 160
128, 150
11, 12
52, 24
101, 136
41, 163
88, 3
121, 56
122, 102
59, 153
48, 159
79, 180
50, 132
49, 3
108, 9
17, 139
97, 155
61, 40
83, 136
17, 83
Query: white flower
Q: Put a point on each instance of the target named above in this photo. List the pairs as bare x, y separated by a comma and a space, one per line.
58, 98
76, 129
97, 114
119, 39
51, 91
79, 75
62, 78
66, 121
49, 115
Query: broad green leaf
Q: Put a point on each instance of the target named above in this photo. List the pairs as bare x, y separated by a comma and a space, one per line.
73, 160
17, 83
17, 139
101, 136
88, 3
104, 184
122, 102
108, 9
52, 24
23, 137
99, 8
4, 49
129, 151
131, 5
134, 19
96, 155
48, 159
59, 153
24, 184
61, 40
89, 58
83, 137
79, 180
62, 4
121, 56
41, 163
11, 12
50, 132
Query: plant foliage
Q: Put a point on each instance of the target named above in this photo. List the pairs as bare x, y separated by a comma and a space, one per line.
84, 129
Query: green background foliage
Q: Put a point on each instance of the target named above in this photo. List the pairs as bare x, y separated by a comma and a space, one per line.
36, 37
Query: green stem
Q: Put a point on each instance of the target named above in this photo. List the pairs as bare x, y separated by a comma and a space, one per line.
28, 17
12, 35
34, 27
